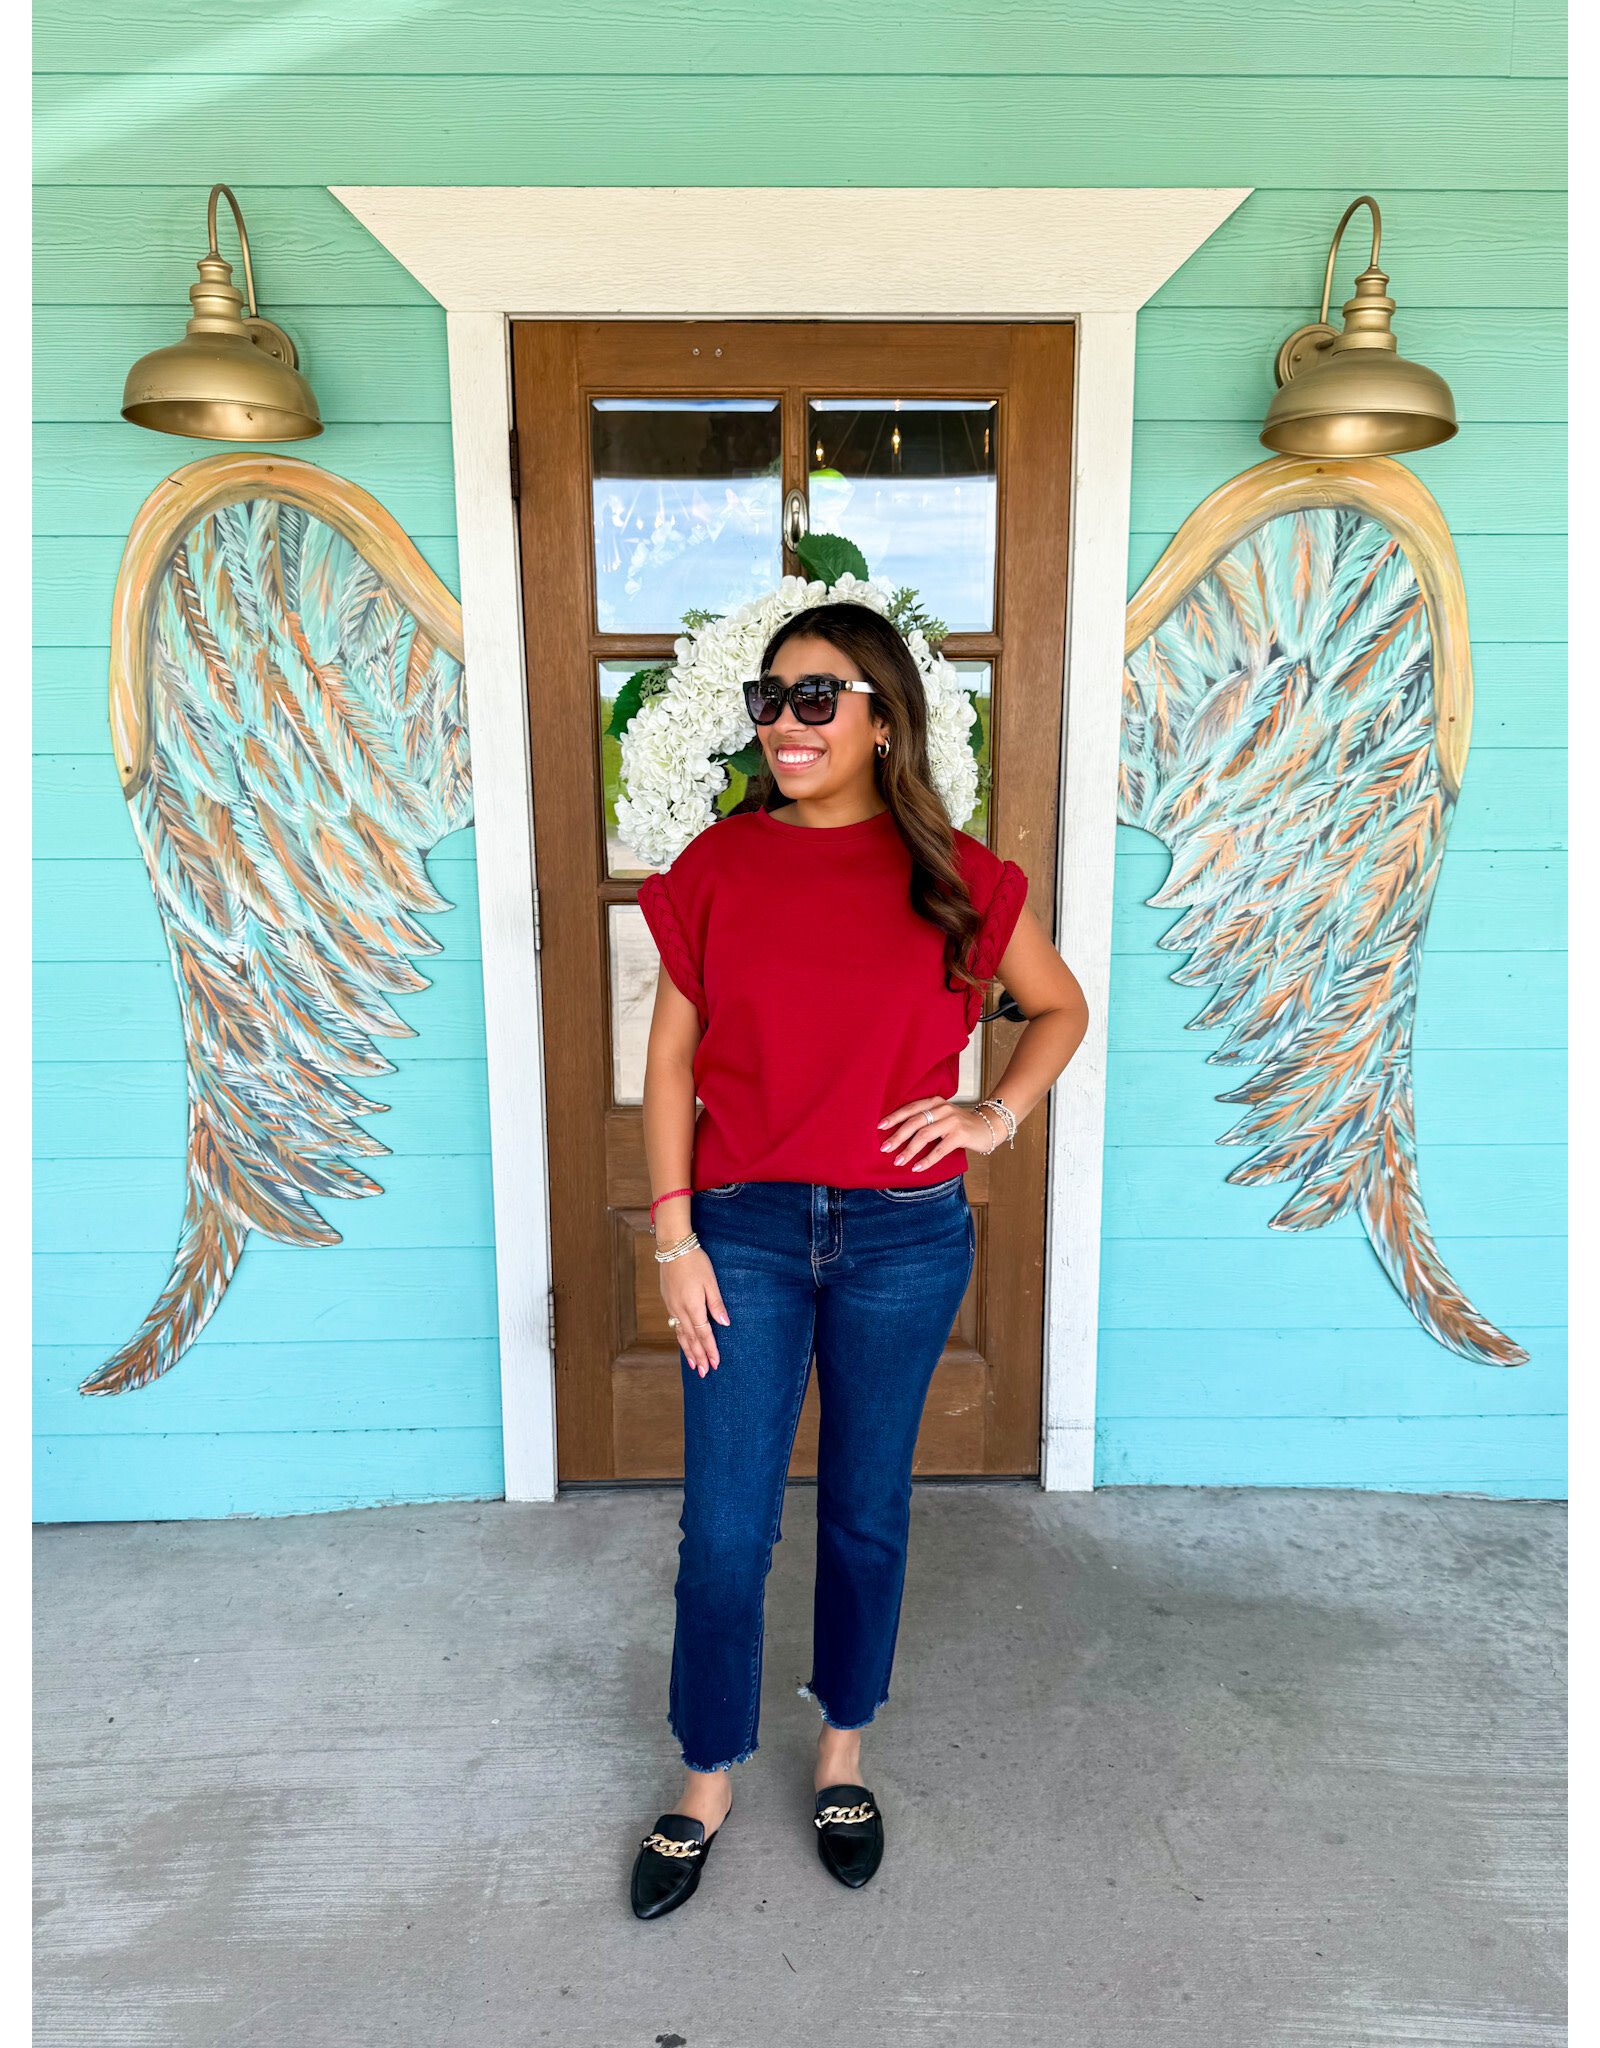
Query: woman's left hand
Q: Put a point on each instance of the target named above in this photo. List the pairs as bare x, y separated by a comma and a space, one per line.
910, 1135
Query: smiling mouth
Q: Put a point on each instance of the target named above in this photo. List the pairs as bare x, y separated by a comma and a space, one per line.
796, 757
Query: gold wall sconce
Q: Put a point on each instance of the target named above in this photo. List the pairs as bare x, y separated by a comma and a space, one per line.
1353, 393
233, 377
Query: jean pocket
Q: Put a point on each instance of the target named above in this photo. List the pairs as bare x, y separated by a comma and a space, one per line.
938, 1189
728, 1187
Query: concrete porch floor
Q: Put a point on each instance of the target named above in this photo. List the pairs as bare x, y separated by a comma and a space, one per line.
1240, 1768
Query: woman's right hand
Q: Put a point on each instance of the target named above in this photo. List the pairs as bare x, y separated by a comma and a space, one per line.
689, 1288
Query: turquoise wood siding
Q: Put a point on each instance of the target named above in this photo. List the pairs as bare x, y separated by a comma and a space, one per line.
368, 1372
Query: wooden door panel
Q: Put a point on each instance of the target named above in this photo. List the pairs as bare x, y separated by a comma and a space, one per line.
617, 1372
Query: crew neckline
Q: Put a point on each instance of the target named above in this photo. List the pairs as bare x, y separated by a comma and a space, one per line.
857, 827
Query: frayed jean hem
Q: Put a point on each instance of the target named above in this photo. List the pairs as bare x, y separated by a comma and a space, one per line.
690, 1765
843, 1727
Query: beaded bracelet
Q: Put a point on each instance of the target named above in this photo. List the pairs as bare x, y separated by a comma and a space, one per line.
676, 1251
994, 1102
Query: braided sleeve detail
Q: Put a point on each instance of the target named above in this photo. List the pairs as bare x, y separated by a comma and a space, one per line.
672, 941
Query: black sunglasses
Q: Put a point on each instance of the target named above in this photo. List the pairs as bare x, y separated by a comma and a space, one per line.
815, 698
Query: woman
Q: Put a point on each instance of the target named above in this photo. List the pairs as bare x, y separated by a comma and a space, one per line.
824, 959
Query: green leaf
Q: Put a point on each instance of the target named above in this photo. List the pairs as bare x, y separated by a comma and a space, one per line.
749, 760
826, 556
644, 682
906, 612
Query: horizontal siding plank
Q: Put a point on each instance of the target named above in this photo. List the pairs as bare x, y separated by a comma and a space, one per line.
155, 1478
1539, 39
1507, 1001
1505, 365
135, 1205
1516, 584
75, 577
1501, 901
278, 1388
1151, 1191
1493, 479
1166, 1191
309, 1294
1497, 479
370, 364
133, 1110
1516, 1458
1145, 1375
89, 1010
138, 1111
1519, 694
1519, 697
123, 923
375, 364
93, 479
137, 246
1512, 799
1303, 1280
1207, 38
1462, 1098
600, 129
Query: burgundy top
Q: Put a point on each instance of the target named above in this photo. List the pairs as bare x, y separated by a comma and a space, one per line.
820, 992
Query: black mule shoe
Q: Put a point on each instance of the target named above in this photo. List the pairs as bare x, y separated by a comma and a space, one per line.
668, 1865
849, 1833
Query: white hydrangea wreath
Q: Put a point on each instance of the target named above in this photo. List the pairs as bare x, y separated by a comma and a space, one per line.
676, 747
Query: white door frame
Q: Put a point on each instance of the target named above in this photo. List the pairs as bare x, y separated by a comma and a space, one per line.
492, 254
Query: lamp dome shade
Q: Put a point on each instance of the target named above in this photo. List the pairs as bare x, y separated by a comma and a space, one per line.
221, 387
1360, 401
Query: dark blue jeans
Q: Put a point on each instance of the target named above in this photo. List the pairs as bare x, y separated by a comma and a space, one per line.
870, 1279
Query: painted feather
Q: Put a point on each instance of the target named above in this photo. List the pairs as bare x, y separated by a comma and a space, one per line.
1296, 710
288, 707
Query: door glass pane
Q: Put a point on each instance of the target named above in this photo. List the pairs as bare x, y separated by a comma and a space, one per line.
686, 495
977, 679
634, 962
912, 482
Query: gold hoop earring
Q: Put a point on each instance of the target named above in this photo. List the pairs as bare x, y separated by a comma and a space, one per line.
882, 748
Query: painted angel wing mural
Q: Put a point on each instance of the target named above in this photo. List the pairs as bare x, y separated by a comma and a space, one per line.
288, 710
1296, 706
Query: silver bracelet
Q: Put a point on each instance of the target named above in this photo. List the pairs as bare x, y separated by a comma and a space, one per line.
994, 1102
995, 1137
676, 1251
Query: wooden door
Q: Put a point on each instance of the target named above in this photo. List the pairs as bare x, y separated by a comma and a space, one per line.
651, 462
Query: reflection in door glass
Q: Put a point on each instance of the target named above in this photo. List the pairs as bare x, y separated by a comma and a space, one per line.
686, 496
912, 482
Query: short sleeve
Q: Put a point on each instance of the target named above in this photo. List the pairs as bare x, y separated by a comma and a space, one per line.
1000, 916
673, 937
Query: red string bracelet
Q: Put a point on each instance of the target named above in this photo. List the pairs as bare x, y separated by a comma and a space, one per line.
667, 1197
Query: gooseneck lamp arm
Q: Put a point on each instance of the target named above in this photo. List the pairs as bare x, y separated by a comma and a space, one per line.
249, 274
1366, 200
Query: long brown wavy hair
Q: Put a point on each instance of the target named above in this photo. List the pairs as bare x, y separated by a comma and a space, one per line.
904, 781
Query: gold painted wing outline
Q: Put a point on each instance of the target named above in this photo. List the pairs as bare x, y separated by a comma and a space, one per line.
289, 717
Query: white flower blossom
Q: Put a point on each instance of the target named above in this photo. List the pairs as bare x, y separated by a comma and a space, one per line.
669, 781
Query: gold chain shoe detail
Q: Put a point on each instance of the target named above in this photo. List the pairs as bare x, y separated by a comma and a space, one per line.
831, 1814
664, 1845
